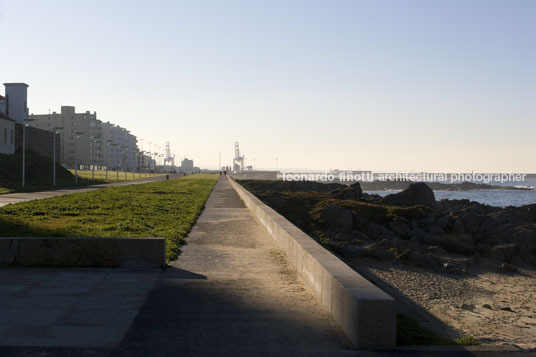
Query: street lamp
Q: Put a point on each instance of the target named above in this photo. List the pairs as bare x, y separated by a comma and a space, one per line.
108, 143
24, 125
125, 156
54, 154
117, 163
75, 156
93, 157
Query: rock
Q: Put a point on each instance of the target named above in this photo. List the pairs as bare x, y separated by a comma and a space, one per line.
433, 236
458, 244
507, 308
455, 268
436, 249
347, 193
417, 234
507, 268
359, 220
442, 221
382, 250
416, 194
458, 226
401, 228
377, 231
359, 235
468, 307
354, 251
338, 218
358, 190
419, 259
382, 254
487, 306
343, 237
471, 223
503, 252
427, 221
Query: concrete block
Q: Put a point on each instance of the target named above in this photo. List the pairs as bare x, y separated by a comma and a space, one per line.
82, 252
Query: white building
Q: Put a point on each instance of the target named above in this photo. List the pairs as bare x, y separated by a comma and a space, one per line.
17, 102
7, 130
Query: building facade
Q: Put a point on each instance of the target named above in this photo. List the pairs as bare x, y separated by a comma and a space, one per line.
7, 134
80, 135
87, 142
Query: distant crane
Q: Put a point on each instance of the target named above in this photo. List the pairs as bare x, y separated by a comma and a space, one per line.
169, 158
238, 161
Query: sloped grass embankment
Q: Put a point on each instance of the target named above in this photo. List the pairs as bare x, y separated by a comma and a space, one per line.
158, 209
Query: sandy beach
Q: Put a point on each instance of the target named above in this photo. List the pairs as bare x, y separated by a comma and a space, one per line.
493, 307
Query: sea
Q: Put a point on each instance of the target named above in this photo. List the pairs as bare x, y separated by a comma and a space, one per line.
497, 198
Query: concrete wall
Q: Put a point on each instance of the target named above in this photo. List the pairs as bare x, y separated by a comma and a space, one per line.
82, 252
366, 314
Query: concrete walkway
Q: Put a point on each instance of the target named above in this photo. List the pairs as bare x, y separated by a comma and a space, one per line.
232, 292
37, 195
70, 307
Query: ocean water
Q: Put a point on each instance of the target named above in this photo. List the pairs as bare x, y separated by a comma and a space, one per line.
497, 198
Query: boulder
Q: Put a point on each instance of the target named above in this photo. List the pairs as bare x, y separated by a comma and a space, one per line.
427, 221
504, 252
442, 221
401, 228
354, 251
458, 244
416, 194
357, 188
377, 231
347, 193
339, 219
381, 250
419, 259
458, 227
471, 223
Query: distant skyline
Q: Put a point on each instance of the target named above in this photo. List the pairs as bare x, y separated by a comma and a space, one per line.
399, 85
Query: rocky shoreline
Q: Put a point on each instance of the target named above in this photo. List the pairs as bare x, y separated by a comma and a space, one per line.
436, 186
457, 239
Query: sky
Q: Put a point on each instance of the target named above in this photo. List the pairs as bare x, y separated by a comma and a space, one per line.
382, 85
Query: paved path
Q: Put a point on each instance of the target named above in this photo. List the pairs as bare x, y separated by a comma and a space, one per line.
70, 307
232, 292
29, 196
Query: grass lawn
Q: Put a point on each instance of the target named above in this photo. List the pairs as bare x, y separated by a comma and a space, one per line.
158, 209
100, 175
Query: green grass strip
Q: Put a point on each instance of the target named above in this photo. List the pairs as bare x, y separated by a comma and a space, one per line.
409, 332
158, 209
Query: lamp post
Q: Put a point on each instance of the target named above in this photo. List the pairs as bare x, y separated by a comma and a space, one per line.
93, 157
24, 126
54, 154
125, 155
108, 142
117, 163
76, 156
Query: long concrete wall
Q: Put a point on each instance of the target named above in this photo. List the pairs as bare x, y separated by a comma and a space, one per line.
83, 252
366, 314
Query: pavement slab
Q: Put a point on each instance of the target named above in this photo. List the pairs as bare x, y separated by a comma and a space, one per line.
70, 307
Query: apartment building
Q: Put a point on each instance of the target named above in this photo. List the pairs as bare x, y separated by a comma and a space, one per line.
120, 147
80, 135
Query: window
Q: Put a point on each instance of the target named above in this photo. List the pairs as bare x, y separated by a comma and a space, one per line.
5, 136
12, 136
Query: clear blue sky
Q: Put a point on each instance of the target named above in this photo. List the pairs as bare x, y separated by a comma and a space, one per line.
383, 85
